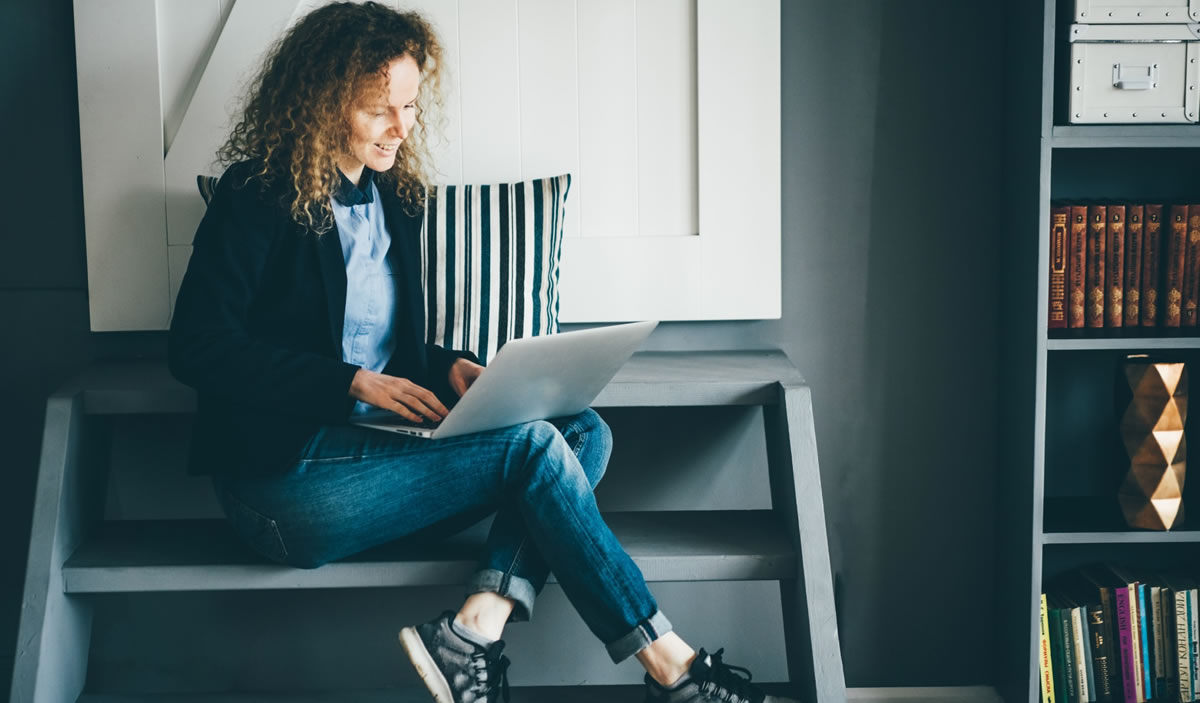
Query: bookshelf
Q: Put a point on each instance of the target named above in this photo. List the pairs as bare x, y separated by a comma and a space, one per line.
1058, 449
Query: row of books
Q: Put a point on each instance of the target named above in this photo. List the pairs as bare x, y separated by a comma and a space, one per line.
1118, 265
1108, 634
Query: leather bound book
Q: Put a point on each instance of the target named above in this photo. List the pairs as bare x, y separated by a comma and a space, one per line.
1134, 250
1077, 267
1152, 248
1096, 279
1191, 270
1057, 315
1175, 230
1114, 262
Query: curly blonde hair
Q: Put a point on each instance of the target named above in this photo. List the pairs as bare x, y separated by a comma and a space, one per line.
295, 120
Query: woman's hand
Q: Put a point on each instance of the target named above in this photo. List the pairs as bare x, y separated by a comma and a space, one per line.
463, 373
399, 395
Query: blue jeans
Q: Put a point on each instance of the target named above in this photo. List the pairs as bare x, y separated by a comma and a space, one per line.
354, 488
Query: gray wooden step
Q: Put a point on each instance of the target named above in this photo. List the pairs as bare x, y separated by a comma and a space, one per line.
649, 379
206, 555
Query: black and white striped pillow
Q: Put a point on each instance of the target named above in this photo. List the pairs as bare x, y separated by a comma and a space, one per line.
497, 246
490, 259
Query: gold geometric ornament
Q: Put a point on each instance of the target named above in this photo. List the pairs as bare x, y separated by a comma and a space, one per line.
1154, 399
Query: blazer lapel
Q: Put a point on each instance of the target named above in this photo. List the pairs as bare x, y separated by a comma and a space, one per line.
333, 275
405, 255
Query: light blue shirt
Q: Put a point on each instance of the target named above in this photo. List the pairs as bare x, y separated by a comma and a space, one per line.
367, 338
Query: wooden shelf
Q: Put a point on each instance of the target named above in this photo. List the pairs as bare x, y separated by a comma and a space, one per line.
1125, 136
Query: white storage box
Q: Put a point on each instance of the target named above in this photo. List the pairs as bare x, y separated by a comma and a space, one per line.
1136, 11
1134, 73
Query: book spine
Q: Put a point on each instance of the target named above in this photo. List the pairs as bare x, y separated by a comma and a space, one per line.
1156, 629
1125, 641
1170, 651
1100, 656
1077, 268
1182, 646
1152, 266
1176, 233
1144, 633
1191, 272
1114, 263
1068, 646
1057, 317
1058, 656
1134, 250
1135, 636
1083, 658
1096, 278
1045, 666
1193, 640
1191, 275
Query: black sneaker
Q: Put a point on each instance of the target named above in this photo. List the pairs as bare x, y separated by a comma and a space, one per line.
710, 680
456, 669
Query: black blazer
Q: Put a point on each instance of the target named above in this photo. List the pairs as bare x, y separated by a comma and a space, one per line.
257, 329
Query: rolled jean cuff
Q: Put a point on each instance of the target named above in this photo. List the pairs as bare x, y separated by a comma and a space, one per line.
639, 637
510, 586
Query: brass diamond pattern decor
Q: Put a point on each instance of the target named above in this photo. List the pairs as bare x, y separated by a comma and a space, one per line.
1153, 406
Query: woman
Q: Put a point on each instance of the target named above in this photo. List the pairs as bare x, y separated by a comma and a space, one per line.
301, 307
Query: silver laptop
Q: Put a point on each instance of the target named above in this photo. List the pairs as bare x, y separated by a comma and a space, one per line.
532, 378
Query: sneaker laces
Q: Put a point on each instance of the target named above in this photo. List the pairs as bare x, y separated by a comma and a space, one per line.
490, 667
726, 681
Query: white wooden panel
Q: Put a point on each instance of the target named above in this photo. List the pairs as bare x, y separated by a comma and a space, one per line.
491, 91
610, 279
121, 151
445, 147
608, 149
739, 181
550, 95
177, 262
247, 34
186, 34
666, 112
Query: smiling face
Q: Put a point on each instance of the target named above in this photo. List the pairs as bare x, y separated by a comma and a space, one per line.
381, 119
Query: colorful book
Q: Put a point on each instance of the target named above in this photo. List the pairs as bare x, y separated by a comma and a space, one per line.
1045, 665
1057, 317
1097, 279
1114, 265
1191, 270
1134, 250
1175, 231
1152, 266
1125, 641
1083, 654
1077, 268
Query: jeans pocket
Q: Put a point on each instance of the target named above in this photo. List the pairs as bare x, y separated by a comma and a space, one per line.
258, 531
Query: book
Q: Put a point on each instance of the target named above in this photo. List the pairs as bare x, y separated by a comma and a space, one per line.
1144, 621
1114, 265
1191, 273
1077, 268
1083, 654
1154, 608
1098, 639
1045, 666
1097, 244
1104, 584
1191, 269
1057, 316
1194, 640
1175, 231
1134, 250
1125, 640
1064, 676
1152, 266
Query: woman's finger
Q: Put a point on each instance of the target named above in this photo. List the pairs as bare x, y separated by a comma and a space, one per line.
418, 406
400, 409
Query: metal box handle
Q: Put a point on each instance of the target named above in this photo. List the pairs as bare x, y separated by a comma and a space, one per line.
1134, 77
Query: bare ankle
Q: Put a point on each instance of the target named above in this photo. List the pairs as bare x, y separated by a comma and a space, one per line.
667, 659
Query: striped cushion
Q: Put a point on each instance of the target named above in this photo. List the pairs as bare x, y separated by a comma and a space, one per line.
497, 246
490, 260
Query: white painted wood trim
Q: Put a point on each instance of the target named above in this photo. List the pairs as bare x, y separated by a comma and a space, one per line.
121, 157
945, 694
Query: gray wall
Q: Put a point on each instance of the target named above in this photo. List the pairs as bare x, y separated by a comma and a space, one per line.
891, 179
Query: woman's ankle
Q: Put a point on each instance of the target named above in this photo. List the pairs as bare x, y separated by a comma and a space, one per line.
667, 659
485, 613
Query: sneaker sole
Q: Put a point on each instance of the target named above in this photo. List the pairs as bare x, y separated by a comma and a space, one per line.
419, 656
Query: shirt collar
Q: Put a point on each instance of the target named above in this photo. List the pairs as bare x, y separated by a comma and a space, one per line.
349, 194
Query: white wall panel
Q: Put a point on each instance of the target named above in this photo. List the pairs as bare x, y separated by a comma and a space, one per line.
608, 117
491, 91
186, 34
445, 142
251, 28
116, 51
550, 95
666, 114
